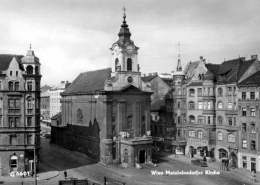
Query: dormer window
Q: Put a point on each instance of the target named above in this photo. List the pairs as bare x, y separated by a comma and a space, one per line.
11, 73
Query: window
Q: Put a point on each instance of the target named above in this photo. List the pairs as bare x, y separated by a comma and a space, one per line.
243, 95
220, 105
220, 136
16, 73
192, 92
179, 119
29, 103
16, 86
17, 121
79, 116
208, 90
200, 134
200, 105
13, 161
200, 120
230, 121
235, 121
179, 132
252, 145
29, 86
220, 91
11, 73
235, 106
192, 119
243, 111
184, 91
29, 121
199, 91
13, 140
220, 120
252, 128
191, 105
244, 162
235, 91
209, 107
11, 122
231, 138
129, 64
129, 121
244, 143
252, 95
179, 92
229, 105
29, 139
229, 91
11, 86
252, 112
209, 120
179, 105
204, 104
11, 103
223, 153
184, 104
191, 133
116, 64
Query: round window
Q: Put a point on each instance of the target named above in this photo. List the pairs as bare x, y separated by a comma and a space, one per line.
130, 79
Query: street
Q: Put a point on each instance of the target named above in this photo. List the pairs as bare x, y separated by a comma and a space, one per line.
54, 158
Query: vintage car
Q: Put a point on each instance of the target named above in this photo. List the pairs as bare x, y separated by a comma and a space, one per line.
199, 162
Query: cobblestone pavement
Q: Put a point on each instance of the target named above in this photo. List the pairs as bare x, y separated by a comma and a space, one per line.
54, 158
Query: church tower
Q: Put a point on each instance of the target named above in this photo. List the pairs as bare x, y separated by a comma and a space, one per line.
125, 67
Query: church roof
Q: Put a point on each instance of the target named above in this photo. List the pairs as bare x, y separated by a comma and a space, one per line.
89, 82
252, 80
5, 61
148, 78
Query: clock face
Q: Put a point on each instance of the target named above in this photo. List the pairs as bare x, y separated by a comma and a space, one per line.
130, 79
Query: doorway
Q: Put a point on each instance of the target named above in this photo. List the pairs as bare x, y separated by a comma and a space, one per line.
126, 156
142, 156
253, 167
191, 151
233, 161
14, 163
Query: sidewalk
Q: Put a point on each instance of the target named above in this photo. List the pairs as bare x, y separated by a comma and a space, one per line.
40, 176
214, 165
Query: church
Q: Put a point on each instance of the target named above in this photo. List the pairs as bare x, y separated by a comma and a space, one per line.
106, 113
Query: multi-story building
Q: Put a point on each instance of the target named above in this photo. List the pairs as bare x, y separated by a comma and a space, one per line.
249, 115
20, 79
106, 113
45, 106
55, 97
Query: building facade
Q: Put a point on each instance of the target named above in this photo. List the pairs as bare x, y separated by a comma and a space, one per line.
45, 106
20, 79
106, 113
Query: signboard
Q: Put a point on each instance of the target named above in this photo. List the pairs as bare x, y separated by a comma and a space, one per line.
199, 142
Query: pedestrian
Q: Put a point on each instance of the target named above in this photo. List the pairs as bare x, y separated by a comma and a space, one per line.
65, 174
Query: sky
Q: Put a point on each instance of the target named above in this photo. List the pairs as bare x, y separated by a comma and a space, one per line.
74, 36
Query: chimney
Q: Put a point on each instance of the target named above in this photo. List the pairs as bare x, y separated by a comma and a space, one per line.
62, 82
201, 57
254, 56
243, 59
149, 74
143, 75
154, 73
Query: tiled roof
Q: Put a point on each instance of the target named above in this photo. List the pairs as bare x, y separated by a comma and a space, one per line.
56, 116
148, 78
252, 80
45, 94
190, 69
244, 67
157, 104
212, 72
227, 66
89, 82
6, 59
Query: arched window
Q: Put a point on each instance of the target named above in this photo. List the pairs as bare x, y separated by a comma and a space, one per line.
191, 105
79, 116
220, 91
220, 120
129, 64
192, 92
116, 64
129, 121
220, 105
13, 162
223, 153
231, 138
29, 70
220, 136
192, 119
11, 86
200, 134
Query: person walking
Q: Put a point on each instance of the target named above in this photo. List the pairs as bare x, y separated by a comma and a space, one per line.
65, 174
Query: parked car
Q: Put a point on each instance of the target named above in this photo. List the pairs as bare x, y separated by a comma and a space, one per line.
46, 135
199, 162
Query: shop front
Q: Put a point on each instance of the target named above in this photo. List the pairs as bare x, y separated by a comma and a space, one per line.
198, 148
179, 147
158, 143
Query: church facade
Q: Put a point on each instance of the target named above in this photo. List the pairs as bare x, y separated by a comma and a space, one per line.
106, 113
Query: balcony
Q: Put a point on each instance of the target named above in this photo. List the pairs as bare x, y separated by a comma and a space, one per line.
209, 112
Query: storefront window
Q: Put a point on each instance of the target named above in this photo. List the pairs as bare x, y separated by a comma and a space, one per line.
223, 153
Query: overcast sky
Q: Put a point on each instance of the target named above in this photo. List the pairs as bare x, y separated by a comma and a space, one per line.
74, 36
